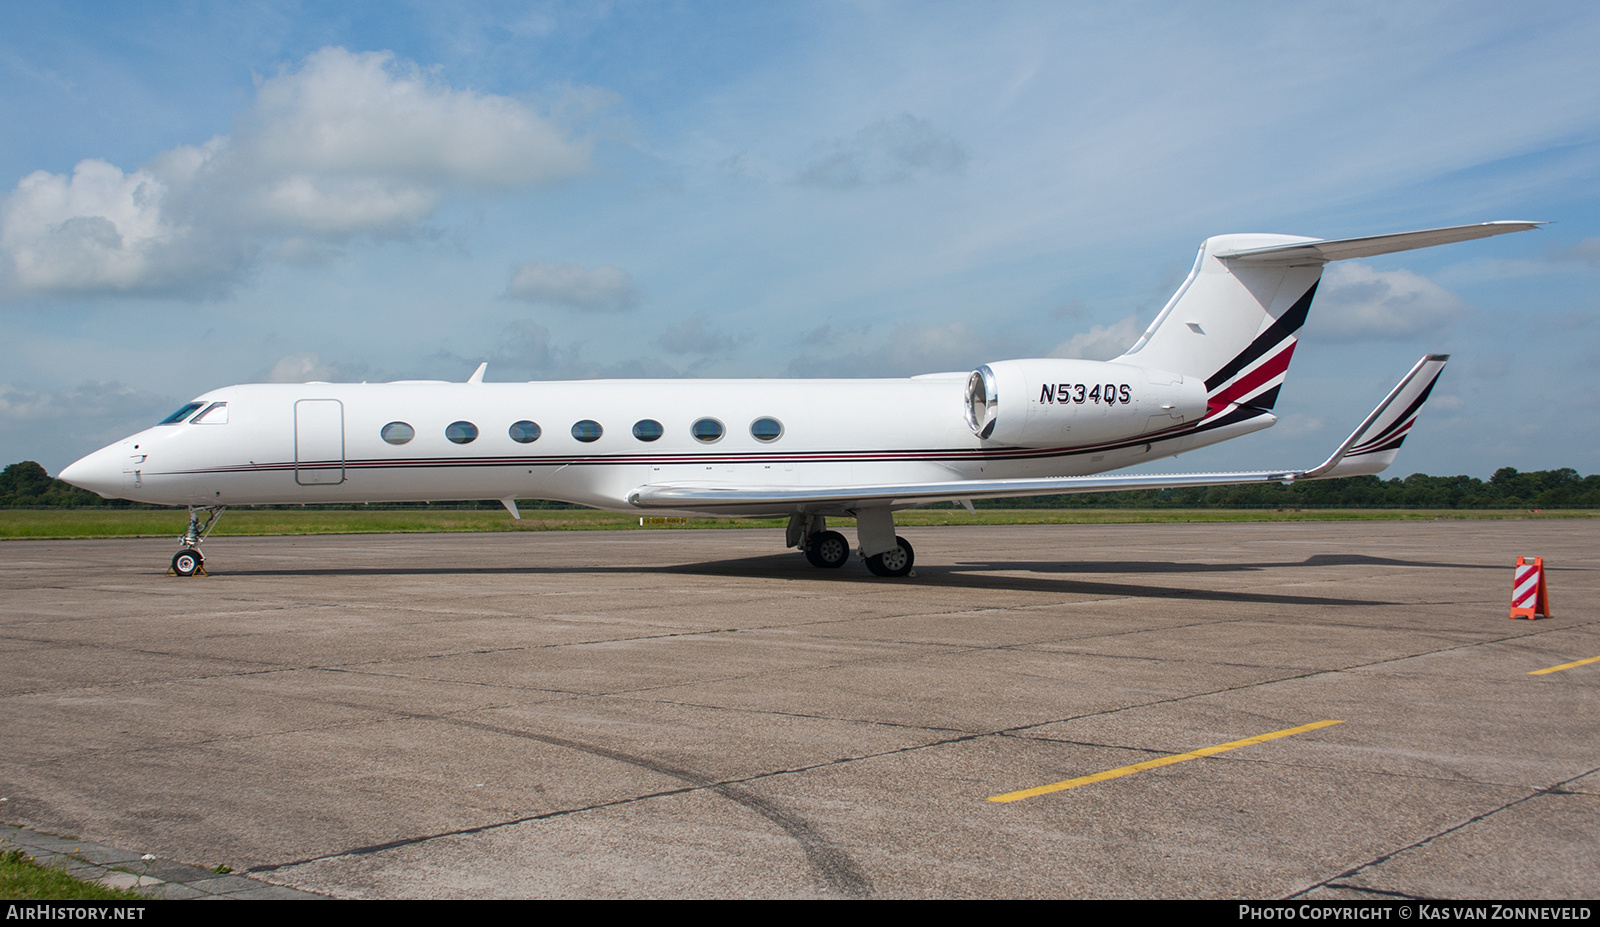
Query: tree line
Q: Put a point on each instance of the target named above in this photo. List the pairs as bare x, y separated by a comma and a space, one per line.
28, 485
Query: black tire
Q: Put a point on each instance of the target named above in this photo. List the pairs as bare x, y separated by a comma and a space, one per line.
828, 550
187, 562
896, 562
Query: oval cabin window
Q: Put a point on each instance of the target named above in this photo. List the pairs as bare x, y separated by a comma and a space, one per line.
766, 429
461, 432
707, 430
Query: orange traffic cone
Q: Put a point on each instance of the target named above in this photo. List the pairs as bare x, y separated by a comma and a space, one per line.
1530, 598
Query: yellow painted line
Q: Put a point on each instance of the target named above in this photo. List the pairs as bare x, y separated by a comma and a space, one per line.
1121, 771
1557, 669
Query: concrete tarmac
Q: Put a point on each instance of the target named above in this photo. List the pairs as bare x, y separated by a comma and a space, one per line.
674, 713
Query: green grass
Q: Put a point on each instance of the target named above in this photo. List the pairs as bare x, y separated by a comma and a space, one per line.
21, 879
101, 523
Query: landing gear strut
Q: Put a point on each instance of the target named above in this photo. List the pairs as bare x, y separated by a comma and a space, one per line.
189, 561
886, 553
823, 548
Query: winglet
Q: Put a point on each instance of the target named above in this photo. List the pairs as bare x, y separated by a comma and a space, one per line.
1373, 445
477, 375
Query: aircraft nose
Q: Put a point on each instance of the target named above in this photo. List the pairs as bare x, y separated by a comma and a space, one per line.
99, 472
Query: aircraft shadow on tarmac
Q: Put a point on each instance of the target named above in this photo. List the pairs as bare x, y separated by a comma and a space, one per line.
985, 575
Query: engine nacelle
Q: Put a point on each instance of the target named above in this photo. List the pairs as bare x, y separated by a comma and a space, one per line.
1052, 402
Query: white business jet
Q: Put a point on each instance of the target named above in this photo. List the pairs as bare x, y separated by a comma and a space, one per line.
1208, 369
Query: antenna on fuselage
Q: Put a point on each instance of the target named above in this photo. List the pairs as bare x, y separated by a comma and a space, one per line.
477, 375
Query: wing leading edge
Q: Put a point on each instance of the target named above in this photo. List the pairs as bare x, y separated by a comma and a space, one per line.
1368, 450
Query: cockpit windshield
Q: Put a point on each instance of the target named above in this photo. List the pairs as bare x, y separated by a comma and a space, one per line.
215, 414
181, 414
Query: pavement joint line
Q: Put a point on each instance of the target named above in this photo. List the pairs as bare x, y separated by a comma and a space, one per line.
831, 864
942, 742
705, 785
1564, 666
1398, 896
1169, 760
807, 716
1555, 788
388, 718
1521, 632
1026, 727
158, 878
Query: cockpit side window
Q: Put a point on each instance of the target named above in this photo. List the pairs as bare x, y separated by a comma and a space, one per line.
181, 414
215, 414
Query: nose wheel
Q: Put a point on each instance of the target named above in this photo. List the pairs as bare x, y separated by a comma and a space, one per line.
188, 561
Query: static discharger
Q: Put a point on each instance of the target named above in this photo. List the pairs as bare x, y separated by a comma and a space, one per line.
1530, 598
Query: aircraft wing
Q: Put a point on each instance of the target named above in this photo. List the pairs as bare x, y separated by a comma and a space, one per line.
1368, 450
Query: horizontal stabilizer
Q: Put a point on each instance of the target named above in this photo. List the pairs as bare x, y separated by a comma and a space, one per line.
1368, 450
1343, 249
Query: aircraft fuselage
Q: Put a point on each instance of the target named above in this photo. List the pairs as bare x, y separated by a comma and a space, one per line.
321, 443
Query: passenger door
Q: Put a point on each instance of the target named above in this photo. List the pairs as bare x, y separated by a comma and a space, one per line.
318, 442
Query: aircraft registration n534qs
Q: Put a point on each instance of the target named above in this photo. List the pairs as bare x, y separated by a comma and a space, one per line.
1207, 369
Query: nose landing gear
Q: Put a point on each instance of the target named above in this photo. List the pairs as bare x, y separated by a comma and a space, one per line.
188, 561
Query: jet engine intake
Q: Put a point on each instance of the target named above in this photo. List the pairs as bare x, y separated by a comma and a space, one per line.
1057, 402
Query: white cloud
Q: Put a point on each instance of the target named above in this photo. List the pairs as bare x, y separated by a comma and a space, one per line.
301, 368
1101, 342
348, 144
600, 289
102, 230
1298, 425
696, 335
527, 348
887, 151
1358, 303
41, 424
1586, 251
909, 350
367, 115
341, 206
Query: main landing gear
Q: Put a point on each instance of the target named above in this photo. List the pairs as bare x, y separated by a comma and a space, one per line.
886, 553
188, 561
828, 550
896, 561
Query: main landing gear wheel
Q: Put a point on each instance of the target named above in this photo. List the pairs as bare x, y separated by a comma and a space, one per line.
895, 562
187, 562
828, 549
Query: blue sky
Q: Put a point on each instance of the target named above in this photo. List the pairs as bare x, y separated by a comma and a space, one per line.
194, 195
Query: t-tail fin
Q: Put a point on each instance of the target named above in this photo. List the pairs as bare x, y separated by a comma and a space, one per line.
1233, 321
1230, 325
